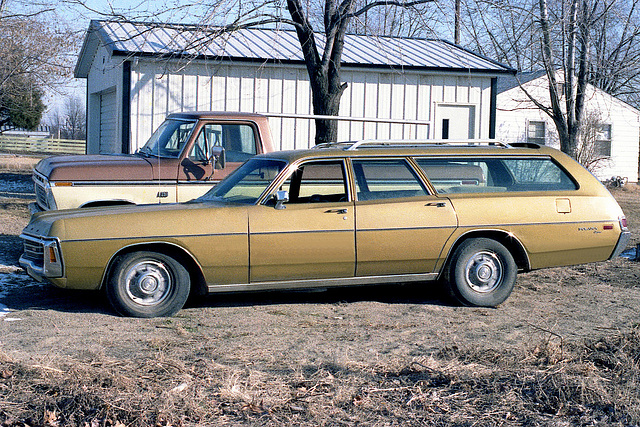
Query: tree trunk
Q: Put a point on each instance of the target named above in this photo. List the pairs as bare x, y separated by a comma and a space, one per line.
326, 102
568, 120
324, 71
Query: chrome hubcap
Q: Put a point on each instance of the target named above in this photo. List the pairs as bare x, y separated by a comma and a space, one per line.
148, 283
484, 272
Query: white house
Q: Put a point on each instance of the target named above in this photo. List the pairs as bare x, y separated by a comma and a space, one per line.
138, 73
617, 124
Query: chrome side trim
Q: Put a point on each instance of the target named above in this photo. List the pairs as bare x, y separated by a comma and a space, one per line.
341, 230
155, 239
137, 183
482, 226
150, 182
321, 283
199, 182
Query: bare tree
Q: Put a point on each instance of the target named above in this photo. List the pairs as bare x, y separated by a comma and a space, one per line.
576, 42
69, 121
414, 21
75, 118
35, 57
323, 57
591, 152
574, 49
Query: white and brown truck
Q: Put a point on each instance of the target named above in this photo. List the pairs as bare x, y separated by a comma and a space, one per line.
183, 159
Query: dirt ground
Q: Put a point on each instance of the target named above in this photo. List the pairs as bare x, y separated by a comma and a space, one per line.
563, 350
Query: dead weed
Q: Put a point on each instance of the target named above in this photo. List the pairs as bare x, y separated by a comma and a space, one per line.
550, 383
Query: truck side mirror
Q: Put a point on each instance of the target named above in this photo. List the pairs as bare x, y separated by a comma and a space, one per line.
218, 157
281, 197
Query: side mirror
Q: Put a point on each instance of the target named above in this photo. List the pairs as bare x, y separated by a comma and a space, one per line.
218, 157
281, 197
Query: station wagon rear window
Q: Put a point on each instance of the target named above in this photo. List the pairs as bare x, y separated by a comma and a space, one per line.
466, 175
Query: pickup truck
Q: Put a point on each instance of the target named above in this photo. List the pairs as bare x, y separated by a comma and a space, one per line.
184, 158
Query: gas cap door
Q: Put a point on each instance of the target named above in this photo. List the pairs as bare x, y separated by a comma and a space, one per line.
563, 206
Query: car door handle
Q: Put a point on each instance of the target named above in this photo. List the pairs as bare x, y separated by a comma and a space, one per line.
437, 204
340, 211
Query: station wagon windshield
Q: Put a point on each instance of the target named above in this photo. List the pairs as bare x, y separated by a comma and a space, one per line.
169, 139
247, 183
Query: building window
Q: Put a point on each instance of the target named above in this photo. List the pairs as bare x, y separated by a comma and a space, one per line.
536, 133
603, 141
445, 128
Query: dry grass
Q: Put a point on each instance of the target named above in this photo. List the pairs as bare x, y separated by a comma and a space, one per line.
552, 383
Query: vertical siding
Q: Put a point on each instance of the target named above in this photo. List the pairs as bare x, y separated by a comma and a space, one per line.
189, 92
356, 108
399, 108
204, 92
266, 88
424, 106
160, 103
371, 100
219, 91
289, 101
276, 83
383, 130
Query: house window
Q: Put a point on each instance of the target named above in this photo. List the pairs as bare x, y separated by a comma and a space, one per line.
536, 133
603, 141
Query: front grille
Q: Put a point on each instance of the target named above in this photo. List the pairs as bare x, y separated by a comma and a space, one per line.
41, 196
34, 252
40, 184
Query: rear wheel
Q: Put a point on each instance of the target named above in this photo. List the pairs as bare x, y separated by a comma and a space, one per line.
482, 273
148, 284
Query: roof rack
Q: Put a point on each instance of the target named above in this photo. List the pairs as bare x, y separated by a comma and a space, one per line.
354, 145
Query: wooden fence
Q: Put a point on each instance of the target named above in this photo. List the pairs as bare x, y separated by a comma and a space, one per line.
23, 144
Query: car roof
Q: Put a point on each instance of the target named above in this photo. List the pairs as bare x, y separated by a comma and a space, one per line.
388, 148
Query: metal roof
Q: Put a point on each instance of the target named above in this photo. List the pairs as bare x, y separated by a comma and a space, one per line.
156, 39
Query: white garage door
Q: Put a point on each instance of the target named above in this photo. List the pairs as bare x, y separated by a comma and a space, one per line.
108, 141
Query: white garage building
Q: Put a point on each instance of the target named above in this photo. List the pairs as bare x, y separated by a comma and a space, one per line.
618, 123
138, 73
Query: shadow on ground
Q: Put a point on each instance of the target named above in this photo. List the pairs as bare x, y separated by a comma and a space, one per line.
19, 292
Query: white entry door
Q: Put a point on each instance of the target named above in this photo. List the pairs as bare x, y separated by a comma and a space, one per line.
455, 122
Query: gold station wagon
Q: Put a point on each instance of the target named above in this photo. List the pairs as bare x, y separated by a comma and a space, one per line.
471, 214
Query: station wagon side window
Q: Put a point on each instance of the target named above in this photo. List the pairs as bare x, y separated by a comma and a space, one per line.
317, 182
460, 175
238, 140
386, 179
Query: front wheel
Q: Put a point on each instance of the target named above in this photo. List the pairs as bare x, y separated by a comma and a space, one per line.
147, 284
482, 273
